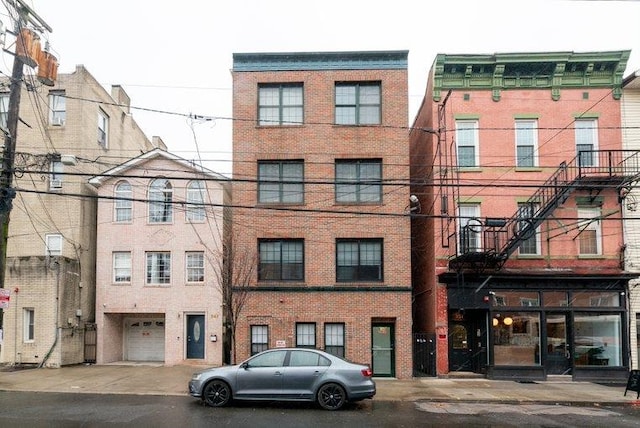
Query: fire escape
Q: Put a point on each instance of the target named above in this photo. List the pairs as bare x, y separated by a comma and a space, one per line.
589, 170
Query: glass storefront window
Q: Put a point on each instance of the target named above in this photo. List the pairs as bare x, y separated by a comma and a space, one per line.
591, 299
555, 298
515, 298
597, 339
516, 338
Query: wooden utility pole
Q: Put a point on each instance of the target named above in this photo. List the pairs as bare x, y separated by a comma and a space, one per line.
7, 192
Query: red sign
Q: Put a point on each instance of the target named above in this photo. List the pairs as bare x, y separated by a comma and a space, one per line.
5, 295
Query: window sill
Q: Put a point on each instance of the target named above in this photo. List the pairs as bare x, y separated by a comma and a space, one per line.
530, 256
469, 169
120, 284
590, 256
278, 126
528, 169
194, 284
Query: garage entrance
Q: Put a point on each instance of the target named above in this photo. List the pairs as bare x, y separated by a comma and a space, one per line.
144, 339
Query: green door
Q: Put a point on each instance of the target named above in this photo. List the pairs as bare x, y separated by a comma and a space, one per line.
383, 352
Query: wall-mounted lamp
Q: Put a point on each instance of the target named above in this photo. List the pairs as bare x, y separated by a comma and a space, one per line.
414, 204
214, 337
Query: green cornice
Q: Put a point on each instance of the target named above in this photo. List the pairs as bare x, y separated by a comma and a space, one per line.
552, 71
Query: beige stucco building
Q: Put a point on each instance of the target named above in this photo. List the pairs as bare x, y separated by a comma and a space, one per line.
66, 133
159, 259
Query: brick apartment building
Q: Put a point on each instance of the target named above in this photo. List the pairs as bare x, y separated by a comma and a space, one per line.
50, 270
320, 196
159, 252
527, 224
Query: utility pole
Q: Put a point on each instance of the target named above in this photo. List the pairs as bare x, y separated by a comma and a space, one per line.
7, 192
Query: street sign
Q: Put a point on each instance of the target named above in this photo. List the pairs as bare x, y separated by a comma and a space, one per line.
5, 295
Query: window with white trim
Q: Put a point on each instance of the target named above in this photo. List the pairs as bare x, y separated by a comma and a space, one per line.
195, 201
121, 267
586, 132
4, 110
467, 143
589, 231
158, 268
526, 143
53, 244
123, 204
470, 228
28, 325
55, 175
305, 335
57, 108
160, 201
195, 266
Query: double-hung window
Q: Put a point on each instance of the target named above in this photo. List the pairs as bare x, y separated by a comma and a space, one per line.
305, 335
259, 338
280, 182
467, 143
358, 103
530, 244
195, 201
590, 233
281, 260
158, 268
123, 206
586, 132
470, 228
334, 339
55, 176
358, 181
103, 129
160, 201
359, 260
195, 266
526, 143
122, 267
57, 108
280, 104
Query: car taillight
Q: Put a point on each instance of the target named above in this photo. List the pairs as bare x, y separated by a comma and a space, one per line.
366, 372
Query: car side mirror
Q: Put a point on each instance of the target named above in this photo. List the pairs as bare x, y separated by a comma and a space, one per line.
244, 365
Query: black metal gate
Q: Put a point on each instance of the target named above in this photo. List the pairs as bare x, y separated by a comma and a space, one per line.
90, 341
424, 354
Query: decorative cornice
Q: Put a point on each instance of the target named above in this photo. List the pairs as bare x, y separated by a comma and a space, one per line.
552, 71
360, 60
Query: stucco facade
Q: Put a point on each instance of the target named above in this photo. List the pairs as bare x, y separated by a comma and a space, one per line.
158, 296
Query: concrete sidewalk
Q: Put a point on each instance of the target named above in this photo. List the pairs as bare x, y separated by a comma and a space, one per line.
162, 380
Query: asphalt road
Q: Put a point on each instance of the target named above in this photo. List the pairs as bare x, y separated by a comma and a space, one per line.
37, 409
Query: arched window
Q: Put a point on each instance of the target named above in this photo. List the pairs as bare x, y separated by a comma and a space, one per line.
195, 201
160, 201
123, 202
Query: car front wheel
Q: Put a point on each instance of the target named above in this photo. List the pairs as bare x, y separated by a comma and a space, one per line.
216, 394
331, 396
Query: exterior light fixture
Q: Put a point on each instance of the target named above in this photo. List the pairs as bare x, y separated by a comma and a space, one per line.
507, 320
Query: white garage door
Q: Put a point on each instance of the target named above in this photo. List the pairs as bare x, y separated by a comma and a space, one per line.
145, 339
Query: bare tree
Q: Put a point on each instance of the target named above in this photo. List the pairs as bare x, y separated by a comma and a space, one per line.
234, 271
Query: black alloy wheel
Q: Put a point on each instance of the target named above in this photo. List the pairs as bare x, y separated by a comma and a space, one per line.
331, 396
217, 394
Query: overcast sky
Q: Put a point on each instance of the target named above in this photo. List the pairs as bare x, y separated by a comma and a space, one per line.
176, 56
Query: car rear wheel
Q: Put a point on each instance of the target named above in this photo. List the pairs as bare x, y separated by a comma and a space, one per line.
216, 394
331, 396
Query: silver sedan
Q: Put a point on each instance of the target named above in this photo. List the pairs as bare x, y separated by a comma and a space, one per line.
286, 374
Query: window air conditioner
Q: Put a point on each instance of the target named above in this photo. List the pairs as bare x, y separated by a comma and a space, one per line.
57, 121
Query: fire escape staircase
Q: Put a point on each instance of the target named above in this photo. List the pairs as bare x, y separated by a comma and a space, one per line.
592, 170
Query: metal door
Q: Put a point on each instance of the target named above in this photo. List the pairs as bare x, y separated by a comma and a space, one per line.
195, 336
383, 352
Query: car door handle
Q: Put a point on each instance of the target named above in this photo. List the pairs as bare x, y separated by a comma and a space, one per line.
277, 374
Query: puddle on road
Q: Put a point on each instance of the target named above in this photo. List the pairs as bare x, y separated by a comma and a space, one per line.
528, 409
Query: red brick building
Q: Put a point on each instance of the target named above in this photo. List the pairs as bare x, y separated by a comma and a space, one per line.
320, 203
522, 162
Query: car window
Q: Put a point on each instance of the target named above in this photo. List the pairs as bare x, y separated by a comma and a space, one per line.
305, 358
269, 359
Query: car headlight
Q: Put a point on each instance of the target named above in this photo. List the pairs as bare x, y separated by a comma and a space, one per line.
196, 376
